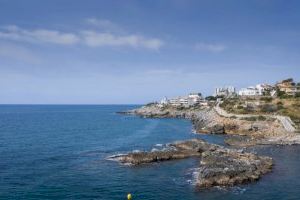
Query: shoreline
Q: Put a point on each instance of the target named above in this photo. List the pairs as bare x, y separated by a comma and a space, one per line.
216, 162
219, 166
207, 120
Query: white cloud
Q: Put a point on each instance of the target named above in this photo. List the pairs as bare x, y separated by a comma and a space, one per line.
86, 37
95, 39
38, 35
103, 24
158, 72
215, 48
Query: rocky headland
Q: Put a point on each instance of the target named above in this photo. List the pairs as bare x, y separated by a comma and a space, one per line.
218, 166
208, 120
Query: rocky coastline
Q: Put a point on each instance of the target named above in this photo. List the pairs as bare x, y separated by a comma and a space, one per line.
218, 166
207, 120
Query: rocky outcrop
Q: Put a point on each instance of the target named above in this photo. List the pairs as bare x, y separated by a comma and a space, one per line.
219, 166
225, 167
177, 150
207, 120
246, 141
153, 111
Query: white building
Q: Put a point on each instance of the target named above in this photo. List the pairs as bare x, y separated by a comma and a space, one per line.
183, 100
174, 102
195, 95
194, 98
258, 90
249, 91
164, 101
191, 99
224, 91
262, 88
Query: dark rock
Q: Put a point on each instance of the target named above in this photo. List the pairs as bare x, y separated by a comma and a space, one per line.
229, 167
217, 129
218, 167
231, 127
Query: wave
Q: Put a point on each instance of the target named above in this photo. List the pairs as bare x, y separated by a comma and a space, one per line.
235, 189
194, 174
116, 157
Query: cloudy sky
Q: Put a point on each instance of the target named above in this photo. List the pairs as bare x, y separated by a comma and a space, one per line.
120, 52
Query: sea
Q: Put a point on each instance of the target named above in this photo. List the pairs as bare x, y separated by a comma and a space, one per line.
62, 152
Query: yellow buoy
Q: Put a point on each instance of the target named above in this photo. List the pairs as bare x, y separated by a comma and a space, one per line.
129, 196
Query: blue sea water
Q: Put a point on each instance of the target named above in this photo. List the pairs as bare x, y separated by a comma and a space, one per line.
60, 151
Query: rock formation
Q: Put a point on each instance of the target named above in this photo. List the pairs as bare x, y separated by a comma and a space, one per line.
207, 120
219, 166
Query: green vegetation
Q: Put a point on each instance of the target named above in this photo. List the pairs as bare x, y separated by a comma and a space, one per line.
211, 98
265, 106
292, 109
268, 108
279, 105
237, 106
151, 104
266, 99
280, 94
259, 118
249, 118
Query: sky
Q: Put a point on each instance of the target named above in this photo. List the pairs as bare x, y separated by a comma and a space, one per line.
138, 51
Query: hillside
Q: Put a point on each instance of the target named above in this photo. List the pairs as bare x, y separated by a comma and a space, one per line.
265, 106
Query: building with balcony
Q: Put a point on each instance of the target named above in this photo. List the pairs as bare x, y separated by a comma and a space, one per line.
226, 91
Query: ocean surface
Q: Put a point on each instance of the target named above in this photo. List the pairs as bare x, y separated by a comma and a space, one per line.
60, 151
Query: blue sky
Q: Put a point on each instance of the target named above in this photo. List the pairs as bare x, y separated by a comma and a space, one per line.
119, 52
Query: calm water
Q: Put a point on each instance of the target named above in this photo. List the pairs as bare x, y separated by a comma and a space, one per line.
58, 152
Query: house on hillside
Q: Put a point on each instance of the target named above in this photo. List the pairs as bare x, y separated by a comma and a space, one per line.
164, 101
194, 98
189, 100
258, 90
226, 91
264, 89
249, 91
288, 86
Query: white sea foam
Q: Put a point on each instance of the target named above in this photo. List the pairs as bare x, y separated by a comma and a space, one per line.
194, 131
238, 190
154, 150
115, 157
193, 173
235, 189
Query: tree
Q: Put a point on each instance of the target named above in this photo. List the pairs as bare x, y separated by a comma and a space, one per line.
210, 98
268, 108
288, 80
280, 93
